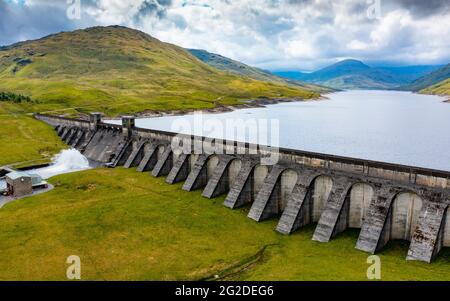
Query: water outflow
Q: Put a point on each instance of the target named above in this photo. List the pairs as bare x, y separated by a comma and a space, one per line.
68, 160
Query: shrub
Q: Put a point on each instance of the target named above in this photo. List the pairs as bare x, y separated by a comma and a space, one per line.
12, 97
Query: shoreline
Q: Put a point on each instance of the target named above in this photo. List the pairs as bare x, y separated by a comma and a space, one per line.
247, 104
446, 96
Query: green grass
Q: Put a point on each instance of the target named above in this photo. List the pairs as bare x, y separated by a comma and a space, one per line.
442, 88
126, 225
25, 139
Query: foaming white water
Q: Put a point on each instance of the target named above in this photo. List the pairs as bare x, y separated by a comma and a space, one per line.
68, 160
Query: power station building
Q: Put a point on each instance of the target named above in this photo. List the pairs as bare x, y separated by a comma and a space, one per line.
19, 184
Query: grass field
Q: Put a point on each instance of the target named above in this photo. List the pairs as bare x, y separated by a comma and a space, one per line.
442, 88
25, 139
126, 225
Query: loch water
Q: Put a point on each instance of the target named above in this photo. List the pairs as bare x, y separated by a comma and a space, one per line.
389, 126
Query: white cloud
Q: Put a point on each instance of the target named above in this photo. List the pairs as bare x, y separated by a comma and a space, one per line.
278, 34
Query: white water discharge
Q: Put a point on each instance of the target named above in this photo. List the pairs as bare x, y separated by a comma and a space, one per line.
69, 160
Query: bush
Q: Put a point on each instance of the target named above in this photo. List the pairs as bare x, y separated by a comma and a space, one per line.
12, 97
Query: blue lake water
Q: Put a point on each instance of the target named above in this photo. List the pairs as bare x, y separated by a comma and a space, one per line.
388, 126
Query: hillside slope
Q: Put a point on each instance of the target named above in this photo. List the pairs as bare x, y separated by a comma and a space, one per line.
117, 70
442, 88
408, 74
436, 77
226, 64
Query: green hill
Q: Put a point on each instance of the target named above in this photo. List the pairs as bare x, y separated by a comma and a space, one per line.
226, 64
442, 88
432, 83
117, 70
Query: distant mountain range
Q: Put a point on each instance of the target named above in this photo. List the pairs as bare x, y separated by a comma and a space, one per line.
354, 74
347, 74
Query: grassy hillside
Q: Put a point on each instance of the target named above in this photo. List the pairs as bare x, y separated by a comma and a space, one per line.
442, 88
117, 70
434, 78
126, 225
226, 64
24, 139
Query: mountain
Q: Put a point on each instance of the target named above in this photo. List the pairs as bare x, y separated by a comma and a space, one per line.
343, 68
294, 75
354, 74
226, 64
432, 81
408, 74
117, 70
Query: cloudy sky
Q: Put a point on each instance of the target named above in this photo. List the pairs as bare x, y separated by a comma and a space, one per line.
271, 34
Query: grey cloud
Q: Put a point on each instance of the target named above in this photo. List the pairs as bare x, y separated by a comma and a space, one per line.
419, 8
257, 33
19, 23
157, 7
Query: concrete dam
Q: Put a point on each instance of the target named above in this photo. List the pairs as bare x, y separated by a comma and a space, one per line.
386, 201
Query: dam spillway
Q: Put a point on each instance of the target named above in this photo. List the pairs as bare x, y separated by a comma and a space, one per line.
386, 201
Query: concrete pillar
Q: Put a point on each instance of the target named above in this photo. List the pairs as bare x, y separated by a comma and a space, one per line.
95, 119
128, 123
446, 234
322, 189
288, 180
361, 196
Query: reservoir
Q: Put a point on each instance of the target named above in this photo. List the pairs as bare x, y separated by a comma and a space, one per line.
389, 126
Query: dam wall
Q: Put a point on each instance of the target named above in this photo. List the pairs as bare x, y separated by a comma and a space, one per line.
385, 201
